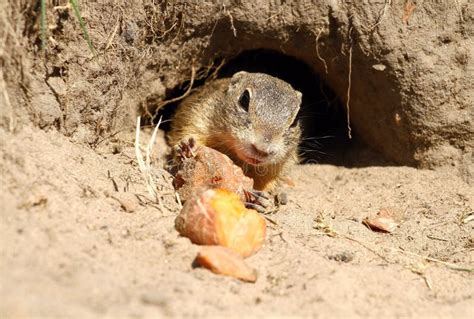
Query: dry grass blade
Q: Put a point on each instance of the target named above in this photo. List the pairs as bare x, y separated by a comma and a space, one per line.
381, 16
321, 224
111, 37
6, 97
77, 13
467, 217
326, 228
43, 29
178, 200
445, 263
145, 165
190, 86
149, 148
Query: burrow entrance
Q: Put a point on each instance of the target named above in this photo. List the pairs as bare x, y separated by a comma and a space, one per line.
325, 138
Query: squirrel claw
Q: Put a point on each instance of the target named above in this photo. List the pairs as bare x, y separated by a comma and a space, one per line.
186, 148
263, 202
259, 194
258, 208
258, 200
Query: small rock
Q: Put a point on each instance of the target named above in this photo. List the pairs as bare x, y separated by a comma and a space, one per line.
34, 200
154, 299
282, 198
379, 67
128, 201
344, 257
125, 233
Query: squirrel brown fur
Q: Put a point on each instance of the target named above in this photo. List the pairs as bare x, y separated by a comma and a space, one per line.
250, 117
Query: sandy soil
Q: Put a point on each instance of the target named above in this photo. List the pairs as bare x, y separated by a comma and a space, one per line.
69, 248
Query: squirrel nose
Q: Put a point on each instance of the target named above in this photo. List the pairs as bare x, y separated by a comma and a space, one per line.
261, 152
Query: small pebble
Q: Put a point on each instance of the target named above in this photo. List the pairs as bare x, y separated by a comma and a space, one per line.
128, 201
344, 257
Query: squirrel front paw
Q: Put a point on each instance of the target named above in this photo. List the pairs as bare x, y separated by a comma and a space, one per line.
186, 148
264, 202
258, 200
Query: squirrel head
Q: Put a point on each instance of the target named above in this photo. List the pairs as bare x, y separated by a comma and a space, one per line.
261, 117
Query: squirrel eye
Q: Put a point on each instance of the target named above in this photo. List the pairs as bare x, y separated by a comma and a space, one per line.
244, 100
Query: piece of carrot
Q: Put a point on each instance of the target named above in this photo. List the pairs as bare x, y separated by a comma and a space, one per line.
209, 168
223, 261
218, 217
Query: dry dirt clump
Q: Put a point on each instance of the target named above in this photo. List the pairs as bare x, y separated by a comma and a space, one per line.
83, 237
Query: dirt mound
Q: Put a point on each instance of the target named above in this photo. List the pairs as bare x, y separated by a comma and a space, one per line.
401, 69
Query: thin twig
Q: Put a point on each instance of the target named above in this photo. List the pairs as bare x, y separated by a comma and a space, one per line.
191, 82
112, 35
348, 98
168, 31
276, 14
317, 51
327, 229
231, 18
381, 16
270, 220
215, 25
366, 247
447, 264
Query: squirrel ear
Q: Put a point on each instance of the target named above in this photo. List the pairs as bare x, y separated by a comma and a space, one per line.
299, 95
238, 76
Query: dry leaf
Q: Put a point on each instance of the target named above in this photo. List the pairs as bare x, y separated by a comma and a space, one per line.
386, 220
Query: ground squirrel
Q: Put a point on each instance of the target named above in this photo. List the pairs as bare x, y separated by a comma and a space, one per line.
251, 117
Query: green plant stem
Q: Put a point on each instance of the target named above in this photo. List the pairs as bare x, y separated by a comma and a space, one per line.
77, 13
43, 29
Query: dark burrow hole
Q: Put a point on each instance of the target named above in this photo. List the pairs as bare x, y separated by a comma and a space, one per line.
325, 137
